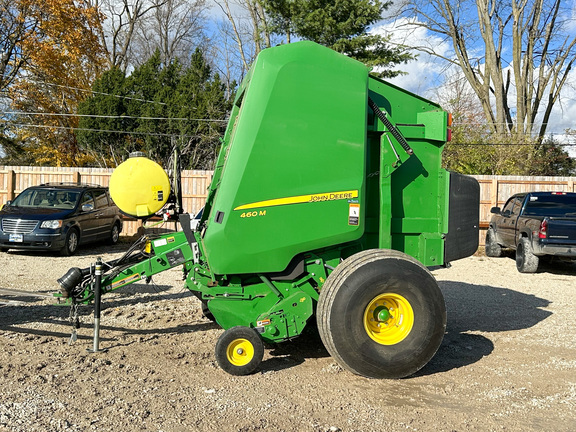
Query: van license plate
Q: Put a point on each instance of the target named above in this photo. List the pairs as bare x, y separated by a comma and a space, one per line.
17, 238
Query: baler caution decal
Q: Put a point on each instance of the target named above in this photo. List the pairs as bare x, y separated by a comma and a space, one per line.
329, 196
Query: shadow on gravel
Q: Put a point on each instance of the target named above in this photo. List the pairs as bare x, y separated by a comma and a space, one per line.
480, 308
95, 250
294, 352
548, 264
14, 318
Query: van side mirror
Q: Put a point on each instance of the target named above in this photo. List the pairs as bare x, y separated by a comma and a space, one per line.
87, 207
495, 210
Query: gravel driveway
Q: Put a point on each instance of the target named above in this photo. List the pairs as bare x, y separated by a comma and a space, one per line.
508, 361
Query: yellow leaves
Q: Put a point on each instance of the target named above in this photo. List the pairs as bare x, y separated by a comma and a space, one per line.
64, 56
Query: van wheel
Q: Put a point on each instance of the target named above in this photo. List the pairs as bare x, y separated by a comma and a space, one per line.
71, 243
114, 234
526, 261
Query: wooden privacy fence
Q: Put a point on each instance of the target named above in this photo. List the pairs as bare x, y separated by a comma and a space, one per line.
14, 180
494, 190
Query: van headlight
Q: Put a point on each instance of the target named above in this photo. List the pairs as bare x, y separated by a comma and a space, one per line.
51, 224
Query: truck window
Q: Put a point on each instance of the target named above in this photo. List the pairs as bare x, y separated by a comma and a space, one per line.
551, 205
508, 206
517, 205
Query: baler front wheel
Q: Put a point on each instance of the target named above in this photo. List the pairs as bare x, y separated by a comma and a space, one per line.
381, 314
239, 351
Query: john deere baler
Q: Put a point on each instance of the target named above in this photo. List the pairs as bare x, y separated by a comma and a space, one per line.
329, 200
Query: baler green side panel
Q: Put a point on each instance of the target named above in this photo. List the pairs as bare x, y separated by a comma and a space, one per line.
293, 176
414, 198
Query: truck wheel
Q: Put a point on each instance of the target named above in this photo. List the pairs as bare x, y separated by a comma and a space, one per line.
239, 351
492, 248
526, 261
381, 314
71, 243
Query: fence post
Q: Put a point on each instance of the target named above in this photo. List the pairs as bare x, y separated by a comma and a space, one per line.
76, 176
10, 185
494, 194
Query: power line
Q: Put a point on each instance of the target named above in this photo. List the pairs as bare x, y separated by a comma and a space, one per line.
107, 116
104, 130
511, 144
100, 93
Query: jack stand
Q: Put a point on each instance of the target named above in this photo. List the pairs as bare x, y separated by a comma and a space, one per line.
97, 304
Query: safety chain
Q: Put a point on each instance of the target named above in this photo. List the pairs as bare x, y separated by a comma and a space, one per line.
74, 321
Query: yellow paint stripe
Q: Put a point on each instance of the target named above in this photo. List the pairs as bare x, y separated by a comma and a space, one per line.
329, 196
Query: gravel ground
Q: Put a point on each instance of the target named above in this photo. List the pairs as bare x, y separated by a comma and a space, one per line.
507, 363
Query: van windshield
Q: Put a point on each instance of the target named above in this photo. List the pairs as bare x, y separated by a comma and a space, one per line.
551, 205
47, 198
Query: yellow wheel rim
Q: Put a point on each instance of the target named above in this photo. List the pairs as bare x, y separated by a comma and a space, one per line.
388, 319
240, 352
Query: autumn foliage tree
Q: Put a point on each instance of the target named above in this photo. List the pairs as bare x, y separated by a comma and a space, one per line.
62, 58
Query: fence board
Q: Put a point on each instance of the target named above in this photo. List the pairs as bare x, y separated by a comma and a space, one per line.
494, 190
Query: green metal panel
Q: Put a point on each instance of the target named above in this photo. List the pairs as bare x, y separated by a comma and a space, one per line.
413, 204
293, 177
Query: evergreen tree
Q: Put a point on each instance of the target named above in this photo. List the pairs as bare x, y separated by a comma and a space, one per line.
158, 108
341, 25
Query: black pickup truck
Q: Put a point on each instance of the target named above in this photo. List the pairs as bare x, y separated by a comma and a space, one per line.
536, 224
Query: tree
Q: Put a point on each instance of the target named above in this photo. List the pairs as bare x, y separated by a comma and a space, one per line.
515, 54
17, 24
176, 28
476, 149
341, 25
247, 25
62, 59
156, 109
118, 32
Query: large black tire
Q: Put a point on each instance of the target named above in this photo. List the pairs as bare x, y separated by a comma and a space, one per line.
114, 234
3, 249
526, 261
381, 314
239, 351
71, 243
492, 248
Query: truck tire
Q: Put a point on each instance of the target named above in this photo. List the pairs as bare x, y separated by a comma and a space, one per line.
526, 261
492, 248
239, 351
71, 243
381, 314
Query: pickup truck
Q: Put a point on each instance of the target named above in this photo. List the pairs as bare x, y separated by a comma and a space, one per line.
535, 224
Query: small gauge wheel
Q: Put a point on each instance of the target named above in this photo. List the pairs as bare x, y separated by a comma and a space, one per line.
239, 351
